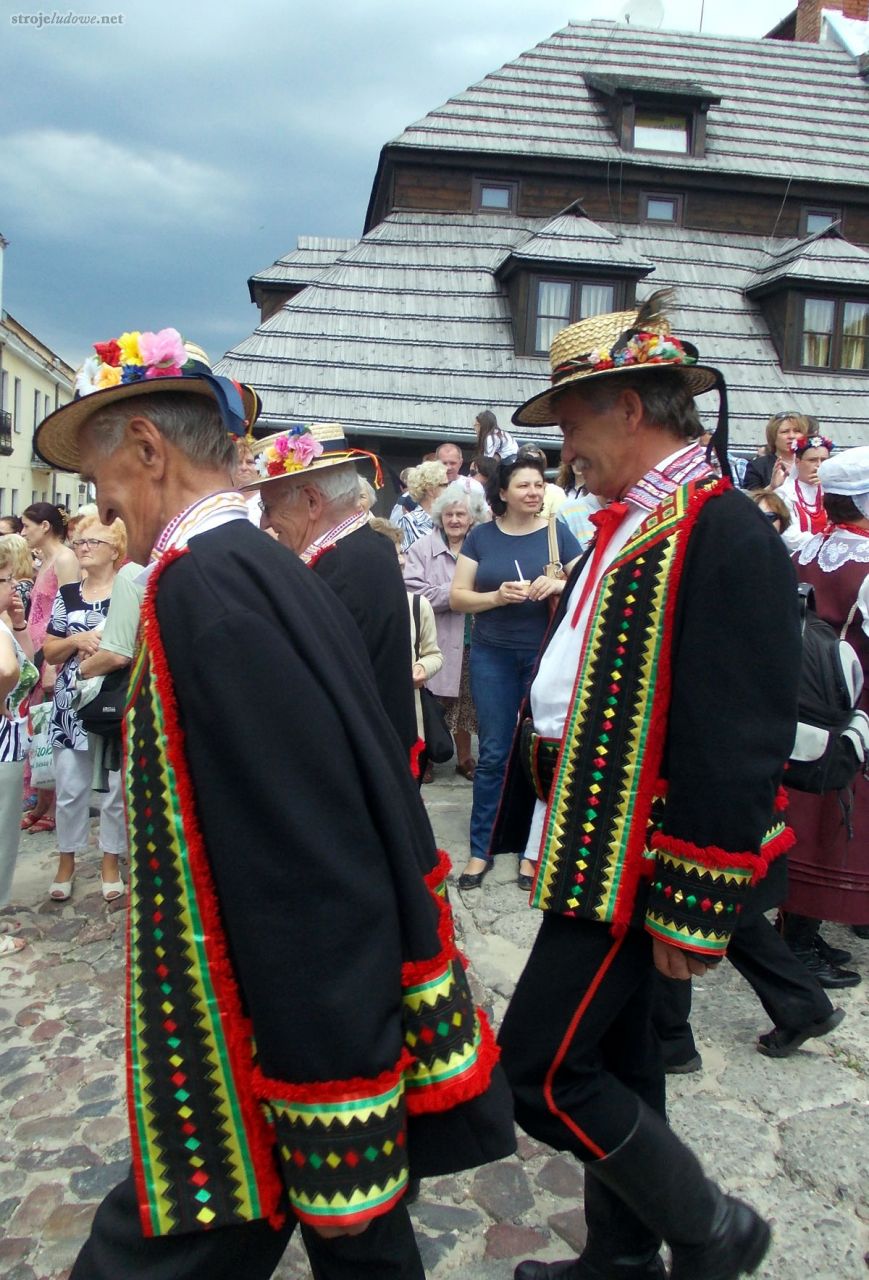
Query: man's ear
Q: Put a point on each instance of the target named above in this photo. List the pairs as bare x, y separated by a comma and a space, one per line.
149, 446
632, 407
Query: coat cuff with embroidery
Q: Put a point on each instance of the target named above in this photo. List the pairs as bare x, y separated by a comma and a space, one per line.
696, 894
342, 1146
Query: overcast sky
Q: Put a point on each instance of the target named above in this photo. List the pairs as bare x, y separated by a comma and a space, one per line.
149, 167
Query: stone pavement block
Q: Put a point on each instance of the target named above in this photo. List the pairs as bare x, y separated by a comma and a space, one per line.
502, 1190
562, 1177
570, 1227
811, 1240
12, 1250
736, 1148
828, 1149
506, 1240
70, 1221
444, 1217
35, 1208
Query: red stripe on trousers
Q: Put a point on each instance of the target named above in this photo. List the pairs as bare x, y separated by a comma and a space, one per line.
565, 1045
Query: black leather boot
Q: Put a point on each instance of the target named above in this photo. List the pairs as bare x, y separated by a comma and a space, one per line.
712, 1236
582, 1269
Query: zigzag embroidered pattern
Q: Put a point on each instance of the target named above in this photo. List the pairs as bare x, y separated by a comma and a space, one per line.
590, 838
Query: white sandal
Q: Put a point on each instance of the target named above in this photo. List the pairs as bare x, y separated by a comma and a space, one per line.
113, 889
11, 946
61, 890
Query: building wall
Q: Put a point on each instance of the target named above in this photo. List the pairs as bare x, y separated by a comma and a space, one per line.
33, 382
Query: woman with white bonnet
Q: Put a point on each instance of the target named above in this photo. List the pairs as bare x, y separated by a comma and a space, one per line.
828, 872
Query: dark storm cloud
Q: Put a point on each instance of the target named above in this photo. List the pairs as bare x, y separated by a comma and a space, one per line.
151, 166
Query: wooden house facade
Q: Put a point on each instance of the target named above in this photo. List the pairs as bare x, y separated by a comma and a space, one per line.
605, 163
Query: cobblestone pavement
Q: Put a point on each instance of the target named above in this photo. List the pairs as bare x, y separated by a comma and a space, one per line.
790, 1136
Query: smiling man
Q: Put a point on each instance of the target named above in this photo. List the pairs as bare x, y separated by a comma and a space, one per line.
285, 891
645, 779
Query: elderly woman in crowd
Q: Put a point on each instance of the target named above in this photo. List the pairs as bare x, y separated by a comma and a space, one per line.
424, 483
73, 634
828, 872
18, 677
21, 563
428, 570
773, 467
44, 530
801, 492
500, 577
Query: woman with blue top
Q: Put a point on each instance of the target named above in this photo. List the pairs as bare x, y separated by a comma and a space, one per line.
500, 578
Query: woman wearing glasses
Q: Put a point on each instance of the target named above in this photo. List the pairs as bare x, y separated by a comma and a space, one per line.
73, 634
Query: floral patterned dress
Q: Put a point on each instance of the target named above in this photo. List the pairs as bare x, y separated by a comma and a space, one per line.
70, 615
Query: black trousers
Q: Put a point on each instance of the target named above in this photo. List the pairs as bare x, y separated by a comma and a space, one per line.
577, 1040
790, 995
117, 1250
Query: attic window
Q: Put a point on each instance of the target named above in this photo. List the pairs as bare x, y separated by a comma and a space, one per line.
661, 131
816, 219
835, 334
659, 206
557, 303
494, 197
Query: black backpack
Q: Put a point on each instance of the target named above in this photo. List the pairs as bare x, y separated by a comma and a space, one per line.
832, 739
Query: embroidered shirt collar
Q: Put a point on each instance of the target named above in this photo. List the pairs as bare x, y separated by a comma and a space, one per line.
207, 513
331, 536
688, 463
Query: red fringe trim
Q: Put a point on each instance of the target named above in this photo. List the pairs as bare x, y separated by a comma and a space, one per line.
782, 800
236, 1026
432, 1098
353, 1090
717, 859
413, 972
653, 754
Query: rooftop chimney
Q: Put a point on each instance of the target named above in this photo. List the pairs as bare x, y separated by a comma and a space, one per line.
808, 25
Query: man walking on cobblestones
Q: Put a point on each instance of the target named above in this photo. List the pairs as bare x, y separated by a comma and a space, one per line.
301, 1037
646, 778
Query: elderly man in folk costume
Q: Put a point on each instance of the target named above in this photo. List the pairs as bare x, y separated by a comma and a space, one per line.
646, 776
300, 1031
309, 498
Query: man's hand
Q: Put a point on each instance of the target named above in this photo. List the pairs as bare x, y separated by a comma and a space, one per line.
332, 1233
673, 962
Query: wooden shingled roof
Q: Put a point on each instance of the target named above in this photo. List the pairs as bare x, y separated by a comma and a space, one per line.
788, 110
409, 334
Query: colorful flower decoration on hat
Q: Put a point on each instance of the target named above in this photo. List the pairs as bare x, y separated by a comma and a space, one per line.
641, 348
133, 357
292, 451
799, 444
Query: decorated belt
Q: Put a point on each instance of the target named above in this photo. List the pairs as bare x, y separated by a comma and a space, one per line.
539, 757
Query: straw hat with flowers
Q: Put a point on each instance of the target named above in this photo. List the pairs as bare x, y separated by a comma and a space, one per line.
304, 450
619, 342
140, 364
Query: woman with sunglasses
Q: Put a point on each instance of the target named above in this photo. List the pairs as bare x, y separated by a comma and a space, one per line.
73, 634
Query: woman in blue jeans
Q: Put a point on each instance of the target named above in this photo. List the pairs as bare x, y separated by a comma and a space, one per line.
500, 577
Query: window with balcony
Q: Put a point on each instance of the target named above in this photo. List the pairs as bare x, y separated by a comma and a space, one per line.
835, 334
16, 406
557, 303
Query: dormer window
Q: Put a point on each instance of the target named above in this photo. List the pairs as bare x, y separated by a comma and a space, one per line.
491, 196
835, 333
557, 303
661, 131
813, 220
651, 113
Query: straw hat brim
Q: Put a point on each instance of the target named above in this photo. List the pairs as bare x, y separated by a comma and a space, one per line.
539, 411
56, 438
